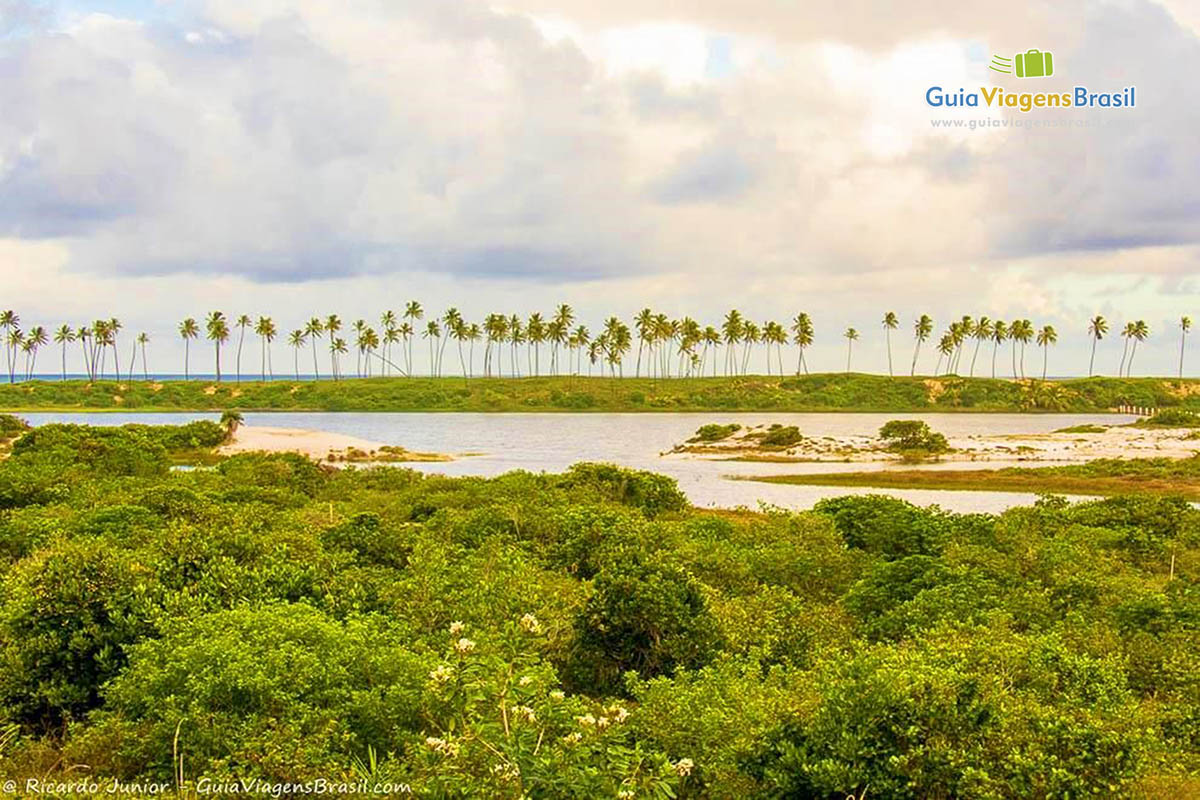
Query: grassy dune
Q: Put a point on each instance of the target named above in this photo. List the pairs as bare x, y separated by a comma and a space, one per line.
1105, 477
828, 392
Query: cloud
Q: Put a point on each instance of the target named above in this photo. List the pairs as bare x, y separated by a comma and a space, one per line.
313, 148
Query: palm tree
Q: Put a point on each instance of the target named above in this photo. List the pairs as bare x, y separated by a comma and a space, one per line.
1046, 337
37, 338
313, 330
516, 335
242, 323
413, 313
535, 331
387, 323
84, 336
1185, 327
945, 350
217, 331
265, 328
1127, 335
296, 340
643, 323
64, 336
114, 325
142, 340
337, 347
731, 329
433, 332
983, 331
851, 336
802, 336
1022, 332
9, 320
1097, 327
333, 324
188, 330
1140, 332
922, 329
999, 334
890, 323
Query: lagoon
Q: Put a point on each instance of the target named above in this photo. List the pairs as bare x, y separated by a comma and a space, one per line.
490, 444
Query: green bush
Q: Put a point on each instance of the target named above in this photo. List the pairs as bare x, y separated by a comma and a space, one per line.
714, 432
654, 494
1173, 418
782, 436
277, 692
912, 436
644, 618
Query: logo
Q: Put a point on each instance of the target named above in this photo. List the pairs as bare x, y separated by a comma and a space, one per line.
1030, 64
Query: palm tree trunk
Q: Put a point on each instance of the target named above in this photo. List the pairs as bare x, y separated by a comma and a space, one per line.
316, 372
916, 354
1045, 357
888, 335
241, 341
974, 356
1182, 342
64, 359
1092, 360
187, 351
1124, 353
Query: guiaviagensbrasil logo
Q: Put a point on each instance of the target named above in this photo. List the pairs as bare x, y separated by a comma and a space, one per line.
1032, 63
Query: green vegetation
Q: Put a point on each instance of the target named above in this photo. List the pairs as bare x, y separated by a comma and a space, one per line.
834, 392
912, 438
1083, 429
581, 635
781, 436
1172, 418
1104, 477
714, 432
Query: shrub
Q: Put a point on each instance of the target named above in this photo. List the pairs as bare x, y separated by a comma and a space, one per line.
714, 432
887, 526
782, 436
68, 614
1174, 418
279, 692
654, 494
646, 618
912, 435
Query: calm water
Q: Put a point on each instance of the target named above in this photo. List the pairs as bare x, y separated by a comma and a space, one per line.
552, 442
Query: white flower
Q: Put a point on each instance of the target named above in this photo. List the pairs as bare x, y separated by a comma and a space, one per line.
441, 746
456, 628
464, 646
683, 767
625, 794
620, 714
587, 720
573, 738
557, 694
530, 624
602, 723
525, 680
443, 674
525, 712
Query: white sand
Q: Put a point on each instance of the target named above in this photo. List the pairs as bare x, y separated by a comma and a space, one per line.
1115, 442
314, 444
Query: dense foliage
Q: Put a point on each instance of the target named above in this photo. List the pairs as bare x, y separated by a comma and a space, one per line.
582, 635
912, 436
798, 393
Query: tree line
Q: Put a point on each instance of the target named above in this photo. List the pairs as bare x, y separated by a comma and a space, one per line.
514, 345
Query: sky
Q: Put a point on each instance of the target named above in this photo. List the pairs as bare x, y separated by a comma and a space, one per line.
163, 158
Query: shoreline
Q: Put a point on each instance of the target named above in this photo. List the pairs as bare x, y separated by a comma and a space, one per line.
322, 446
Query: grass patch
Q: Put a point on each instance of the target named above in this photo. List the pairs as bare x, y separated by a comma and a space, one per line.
1083, 429
1103, 477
